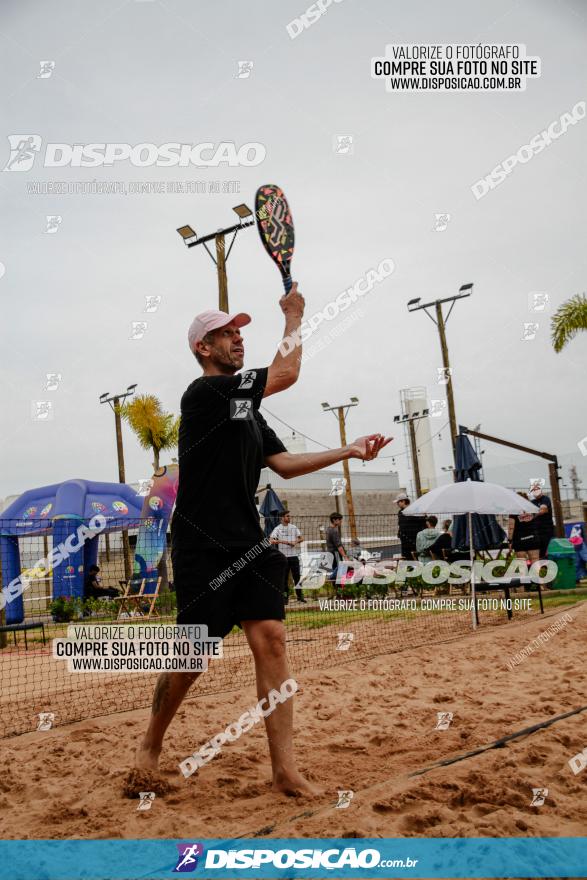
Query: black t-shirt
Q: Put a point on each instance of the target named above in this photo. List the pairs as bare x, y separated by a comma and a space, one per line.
223, 441
91, 583
544, 523
333, 540
443, 542
408, 527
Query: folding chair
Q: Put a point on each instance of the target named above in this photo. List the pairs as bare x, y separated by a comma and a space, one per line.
140, 600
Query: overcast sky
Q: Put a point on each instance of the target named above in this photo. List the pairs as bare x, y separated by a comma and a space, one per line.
166, 71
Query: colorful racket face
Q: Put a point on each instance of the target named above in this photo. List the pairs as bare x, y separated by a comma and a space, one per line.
276, 228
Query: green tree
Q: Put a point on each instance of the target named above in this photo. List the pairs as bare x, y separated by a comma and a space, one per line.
154, 428
568, 320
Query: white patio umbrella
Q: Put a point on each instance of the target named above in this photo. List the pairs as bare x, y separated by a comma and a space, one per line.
467, 498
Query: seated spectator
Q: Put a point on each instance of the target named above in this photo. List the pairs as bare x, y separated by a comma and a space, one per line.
93, 588
425, 539
355, 551
442, 547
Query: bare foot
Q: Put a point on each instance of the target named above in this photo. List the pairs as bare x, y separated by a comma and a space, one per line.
146, 758
293, 784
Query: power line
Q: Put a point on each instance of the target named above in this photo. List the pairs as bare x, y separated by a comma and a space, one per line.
324, 446
295, 430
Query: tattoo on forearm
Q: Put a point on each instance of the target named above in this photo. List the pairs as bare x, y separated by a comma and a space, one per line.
161, 692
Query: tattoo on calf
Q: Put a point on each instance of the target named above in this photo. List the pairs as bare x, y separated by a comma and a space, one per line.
161, 692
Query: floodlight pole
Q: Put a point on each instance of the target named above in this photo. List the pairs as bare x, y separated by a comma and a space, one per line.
340, 412
114, 403
452, 418
441, 321
221, 269
415, 463
410, 419
222, 255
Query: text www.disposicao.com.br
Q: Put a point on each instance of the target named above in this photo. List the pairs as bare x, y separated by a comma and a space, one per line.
136, 664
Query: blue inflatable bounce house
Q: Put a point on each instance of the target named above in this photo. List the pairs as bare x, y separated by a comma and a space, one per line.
58, 511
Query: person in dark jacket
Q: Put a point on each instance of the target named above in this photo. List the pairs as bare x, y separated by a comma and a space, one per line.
523, 535
543, 521
407, 528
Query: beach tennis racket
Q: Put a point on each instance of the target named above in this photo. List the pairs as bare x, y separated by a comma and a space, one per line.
276, 228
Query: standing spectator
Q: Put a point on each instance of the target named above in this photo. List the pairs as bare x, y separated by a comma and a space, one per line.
333, 539
334, 542
407, 528
523, 535
288, 537
426, 538
544, 522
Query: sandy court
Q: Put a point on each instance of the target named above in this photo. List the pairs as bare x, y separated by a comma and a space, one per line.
362, 727
33, 681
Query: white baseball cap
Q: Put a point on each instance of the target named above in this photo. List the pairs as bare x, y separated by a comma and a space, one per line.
205, 322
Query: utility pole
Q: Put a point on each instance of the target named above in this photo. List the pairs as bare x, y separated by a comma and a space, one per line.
191, 239
340, 412
440, 321
114, 403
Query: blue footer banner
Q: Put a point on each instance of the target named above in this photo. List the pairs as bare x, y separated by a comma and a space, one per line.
384, 858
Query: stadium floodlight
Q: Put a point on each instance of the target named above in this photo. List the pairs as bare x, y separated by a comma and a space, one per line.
354, 400
413, 302
190, 239
415, 415
187, 233
116, 398
405, 417
396, 418
425, 412
242, 211
325, 405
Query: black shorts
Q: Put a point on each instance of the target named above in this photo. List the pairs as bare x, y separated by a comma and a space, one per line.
526, 542
219, 590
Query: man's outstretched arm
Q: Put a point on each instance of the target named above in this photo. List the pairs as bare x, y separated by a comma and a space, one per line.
291, 464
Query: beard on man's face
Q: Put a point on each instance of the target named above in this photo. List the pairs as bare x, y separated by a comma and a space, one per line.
226, 359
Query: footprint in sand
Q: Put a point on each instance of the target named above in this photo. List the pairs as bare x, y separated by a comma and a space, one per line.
421, 823
144, 780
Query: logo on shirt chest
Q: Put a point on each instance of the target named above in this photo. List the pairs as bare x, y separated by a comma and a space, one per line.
247, 380
242, 409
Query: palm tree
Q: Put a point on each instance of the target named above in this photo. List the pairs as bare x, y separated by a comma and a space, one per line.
155, 429
570, 318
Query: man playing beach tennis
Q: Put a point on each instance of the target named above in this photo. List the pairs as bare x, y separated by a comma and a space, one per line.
224, 442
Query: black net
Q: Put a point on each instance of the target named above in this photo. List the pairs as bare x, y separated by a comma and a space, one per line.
337, 623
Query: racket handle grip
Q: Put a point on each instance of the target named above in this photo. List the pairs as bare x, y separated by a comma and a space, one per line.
287, 283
